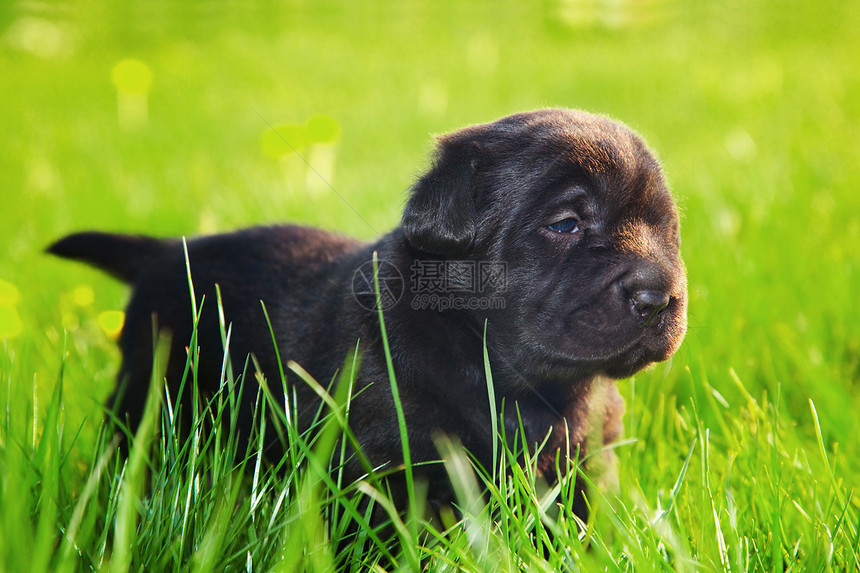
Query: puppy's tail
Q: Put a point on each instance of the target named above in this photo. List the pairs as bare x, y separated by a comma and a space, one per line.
123, 256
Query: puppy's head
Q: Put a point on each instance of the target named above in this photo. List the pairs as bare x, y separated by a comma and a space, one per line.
577, 210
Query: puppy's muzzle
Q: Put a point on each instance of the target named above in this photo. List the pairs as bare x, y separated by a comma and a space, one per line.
648, 292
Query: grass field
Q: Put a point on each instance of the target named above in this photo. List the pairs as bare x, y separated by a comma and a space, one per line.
742, 451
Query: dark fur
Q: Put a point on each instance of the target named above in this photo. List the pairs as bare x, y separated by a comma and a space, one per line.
578, 308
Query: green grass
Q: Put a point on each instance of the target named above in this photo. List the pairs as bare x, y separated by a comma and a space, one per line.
740, 452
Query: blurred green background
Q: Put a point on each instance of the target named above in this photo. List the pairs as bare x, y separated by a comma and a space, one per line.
152, 117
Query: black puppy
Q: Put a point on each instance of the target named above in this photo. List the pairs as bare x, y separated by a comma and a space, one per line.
555, 227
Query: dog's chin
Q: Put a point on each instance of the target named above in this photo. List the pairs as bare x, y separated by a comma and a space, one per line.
622, 360
647, 351
627, 365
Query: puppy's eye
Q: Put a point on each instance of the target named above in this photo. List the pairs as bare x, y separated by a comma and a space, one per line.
565, 226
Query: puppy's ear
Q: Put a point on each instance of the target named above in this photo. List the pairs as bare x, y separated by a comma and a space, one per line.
440, 215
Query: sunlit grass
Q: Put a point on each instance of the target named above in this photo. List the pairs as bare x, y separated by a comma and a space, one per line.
753, 494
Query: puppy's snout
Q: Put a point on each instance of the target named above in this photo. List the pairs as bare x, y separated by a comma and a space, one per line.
645, 288
649, 303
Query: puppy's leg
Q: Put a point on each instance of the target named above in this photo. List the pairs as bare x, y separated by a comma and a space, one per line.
605, 412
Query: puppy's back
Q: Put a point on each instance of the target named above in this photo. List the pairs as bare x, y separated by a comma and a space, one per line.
278, 265
126, 257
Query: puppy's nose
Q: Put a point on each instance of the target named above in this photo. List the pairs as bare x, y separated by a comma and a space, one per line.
646, 291
649, 303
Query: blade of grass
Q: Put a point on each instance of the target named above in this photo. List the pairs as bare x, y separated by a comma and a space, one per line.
406, 538
134, 475
494, 416
837, 489
70, 542
210, 550
398, 406
676, 489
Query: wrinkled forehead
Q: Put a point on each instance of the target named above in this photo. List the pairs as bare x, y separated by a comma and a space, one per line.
545, 152
595, 145
612, 161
